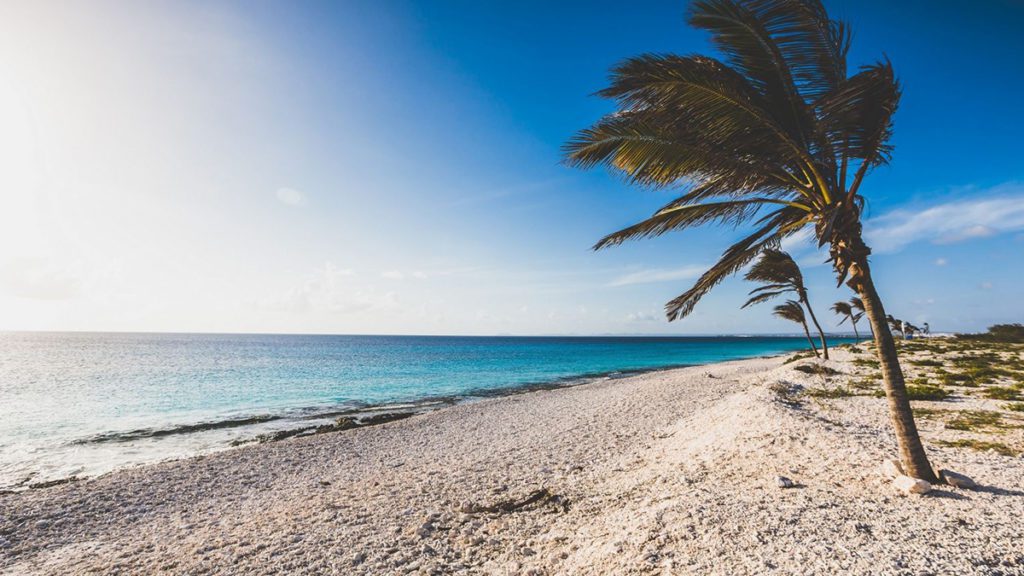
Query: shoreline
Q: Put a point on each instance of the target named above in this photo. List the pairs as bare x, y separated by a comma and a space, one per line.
672, 471
330, 419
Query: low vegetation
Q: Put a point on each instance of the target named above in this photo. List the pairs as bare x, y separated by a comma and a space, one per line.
966, 374
980, 445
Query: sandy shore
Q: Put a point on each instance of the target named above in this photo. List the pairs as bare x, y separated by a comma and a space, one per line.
671, 472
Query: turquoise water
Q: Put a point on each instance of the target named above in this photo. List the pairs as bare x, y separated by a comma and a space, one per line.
81, 404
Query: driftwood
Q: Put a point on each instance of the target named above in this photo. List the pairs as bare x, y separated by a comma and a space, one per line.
542, 496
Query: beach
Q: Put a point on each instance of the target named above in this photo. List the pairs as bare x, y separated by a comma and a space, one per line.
668, 472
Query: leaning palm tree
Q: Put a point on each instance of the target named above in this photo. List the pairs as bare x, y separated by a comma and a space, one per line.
774, 137
857, 304
846, 311
897, 325
779, 274
794, 312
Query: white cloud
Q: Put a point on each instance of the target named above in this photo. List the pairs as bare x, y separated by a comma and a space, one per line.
642, 317
291, 197
941, 261
401, 275
40, 278
332, 290
986, 286
951, 222
658, 275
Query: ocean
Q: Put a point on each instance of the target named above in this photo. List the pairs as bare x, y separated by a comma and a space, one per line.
82, 404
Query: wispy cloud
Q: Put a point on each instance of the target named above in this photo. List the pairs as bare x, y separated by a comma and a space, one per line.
506, 191
956, 221
291, 197
331, 290
402, 275
658, 275
40, 278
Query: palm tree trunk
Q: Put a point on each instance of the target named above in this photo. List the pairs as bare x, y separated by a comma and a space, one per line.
811, 340
856, 335
912, 454
824, 345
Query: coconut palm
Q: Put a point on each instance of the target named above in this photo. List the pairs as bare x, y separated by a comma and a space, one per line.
857, 304
845, 310
774, 137
897, 325
794, 312
779, 274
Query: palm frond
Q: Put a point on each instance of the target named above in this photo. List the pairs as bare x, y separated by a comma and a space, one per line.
769, 235
857, 304
858, 116
763, 297
733, 211
791, 310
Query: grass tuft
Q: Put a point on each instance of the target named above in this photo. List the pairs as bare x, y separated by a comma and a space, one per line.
926, 392
980, 445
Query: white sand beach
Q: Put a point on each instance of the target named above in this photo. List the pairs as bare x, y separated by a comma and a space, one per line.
670, 472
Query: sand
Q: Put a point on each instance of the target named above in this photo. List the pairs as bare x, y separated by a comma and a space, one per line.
670, 472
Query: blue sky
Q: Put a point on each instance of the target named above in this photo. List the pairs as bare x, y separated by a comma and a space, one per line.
394, 167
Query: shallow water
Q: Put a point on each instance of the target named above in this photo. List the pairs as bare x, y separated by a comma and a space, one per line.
84, 404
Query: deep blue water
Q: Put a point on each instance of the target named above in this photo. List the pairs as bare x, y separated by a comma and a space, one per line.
62, 392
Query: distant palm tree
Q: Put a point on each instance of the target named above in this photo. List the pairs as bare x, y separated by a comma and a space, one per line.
794, 312
897, 325
857, 304
775, 136
845, 310
779, 274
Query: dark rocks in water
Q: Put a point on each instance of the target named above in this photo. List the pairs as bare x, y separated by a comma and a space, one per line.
345, 422
56, 482
341, 423
384, 418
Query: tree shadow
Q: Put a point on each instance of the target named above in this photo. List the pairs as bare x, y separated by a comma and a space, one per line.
936, 493
998, 491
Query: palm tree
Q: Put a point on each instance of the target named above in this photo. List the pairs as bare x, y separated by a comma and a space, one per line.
794, 312
775, 137
845, 310
897, 325
779, 274
857, 304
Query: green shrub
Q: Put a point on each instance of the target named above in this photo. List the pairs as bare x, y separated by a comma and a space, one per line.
820, 369
830, 392
981, 445
971, 420
1001, 393
926, 392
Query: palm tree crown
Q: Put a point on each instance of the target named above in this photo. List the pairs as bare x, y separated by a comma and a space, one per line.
767, 137
846, 310
791, 310
779, 274
794, 312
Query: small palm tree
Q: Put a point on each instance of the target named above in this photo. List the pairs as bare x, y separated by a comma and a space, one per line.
776, 136
857, 304
897, 325
794, 312
779, 274
845, 310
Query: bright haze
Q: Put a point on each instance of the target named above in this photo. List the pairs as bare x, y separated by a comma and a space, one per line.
394, 167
